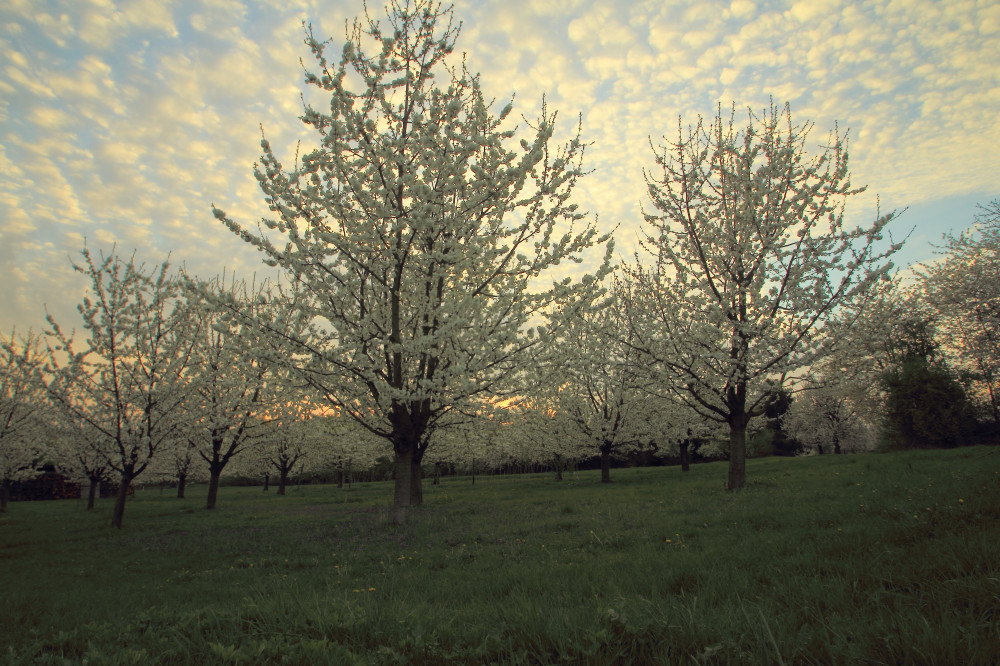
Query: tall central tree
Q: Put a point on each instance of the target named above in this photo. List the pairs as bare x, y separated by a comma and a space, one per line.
416, 234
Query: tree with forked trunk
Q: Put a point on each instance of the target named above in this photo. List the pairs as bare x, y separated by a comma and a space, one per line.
83, 452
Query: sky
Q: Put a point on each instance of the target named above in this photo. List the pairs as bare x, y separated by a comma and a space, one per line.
121, 123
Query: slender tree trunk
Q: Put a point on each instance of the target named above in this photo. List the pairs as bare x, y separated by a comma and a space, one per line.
340, 478
118, 514
95, 485
437, 473
283, 479
416, 481
836, 444
685, 455
605, 465
819, 449
215, 467
737, 454
267, 481
181, 485
559, 467
4, 494
214, 474
403, 474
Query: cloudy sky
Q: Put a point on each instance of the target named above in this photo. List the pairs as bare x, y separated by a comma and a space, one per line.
122, 122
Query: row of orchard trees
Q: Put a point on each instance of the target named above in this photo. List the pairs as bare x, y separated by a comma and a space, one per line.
423, 240
158, 373
156, 380
22, 408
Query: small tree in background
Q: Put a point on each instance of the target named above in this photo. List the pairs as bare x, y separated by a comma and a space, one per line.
601, 390
345, 446
25, 411
925, 406
750, 258
184, 462
130, 382
871, 335
236, 376
287, 447
82, 452
536, 432
293, 436
827, 419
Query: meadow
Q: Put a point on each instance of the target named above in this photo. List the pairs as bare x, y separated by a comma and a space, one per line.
870, 559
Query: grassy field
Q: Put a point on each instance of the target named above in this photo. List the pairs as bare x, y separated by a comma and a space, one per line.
882, 559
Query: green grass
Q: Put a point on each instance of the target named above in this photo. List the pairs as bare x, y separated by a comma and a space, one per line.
881, 559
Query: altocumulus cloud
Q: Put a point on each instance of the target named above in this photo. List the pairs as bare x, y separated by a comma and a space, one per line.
121, 122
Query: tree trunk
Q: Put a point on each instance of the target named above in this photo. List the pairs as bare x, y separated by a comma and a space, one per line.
403, 474
216, 465
685, 455
605, 466
340, 478
437, 473
267, 482
118, 514
181, 485
95, 484
416, 482
737, 455
4, 494
836, 445
214, 474
819, 449
559, 467
282, 480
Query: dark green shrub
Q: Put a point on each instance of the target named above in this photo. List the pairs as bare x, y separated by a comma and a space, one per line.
925, 407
